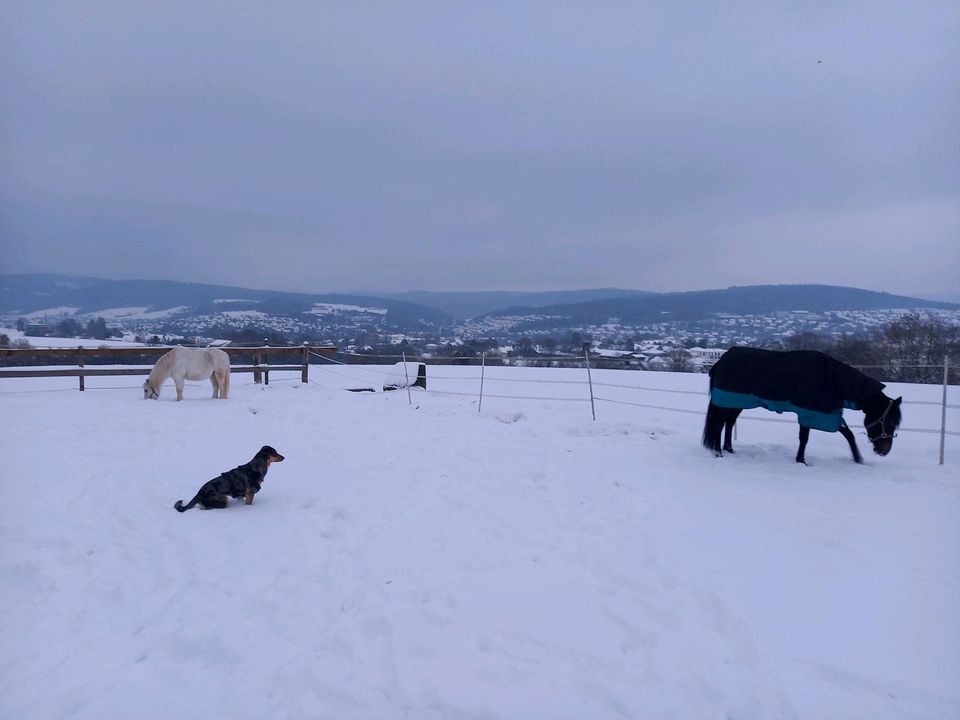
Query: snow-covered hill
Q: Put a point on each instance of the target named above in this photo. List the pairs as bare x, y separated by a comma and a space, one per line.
750, 315
425, 560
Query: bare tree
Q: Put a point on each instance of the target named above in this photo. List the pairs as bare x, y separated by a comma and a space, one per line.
915, 346
679, 360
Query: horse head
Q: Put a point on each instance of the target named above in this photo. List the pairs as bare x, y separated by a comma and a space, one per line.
149, 393
881, 425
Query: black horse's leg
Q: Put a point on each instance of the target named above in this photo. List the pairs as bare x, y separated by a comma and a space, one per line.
804, 436
729, 422
848, 434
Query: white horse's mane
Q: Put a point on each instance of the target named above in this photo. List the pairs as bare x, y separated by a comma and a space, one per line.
162, 370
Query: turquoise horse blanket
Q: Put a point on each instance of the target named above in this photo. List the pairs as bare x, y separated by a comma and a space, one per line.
828, 421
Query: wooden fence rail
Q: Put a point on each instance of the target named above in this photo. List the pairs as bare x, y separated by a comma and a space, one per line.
260, 368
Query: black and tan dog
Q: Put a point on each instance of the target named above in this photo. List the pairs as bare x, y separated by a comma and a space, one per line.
241, 482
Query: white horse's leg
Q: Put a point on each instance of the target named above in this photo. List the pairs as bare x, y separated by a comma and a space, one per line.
224, 383
216, 384
178, 381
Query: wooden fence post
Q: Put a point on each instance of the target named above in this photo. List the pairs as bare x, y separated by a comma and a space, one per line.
80, 361
257, 377
306, 363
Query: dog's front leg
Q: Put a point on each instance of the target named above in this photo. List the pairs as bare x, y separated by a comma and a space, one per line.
248, 498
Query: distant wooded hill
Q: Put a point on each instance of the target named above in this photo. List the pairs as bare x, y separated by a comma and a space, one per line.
463, 305
748, 300
634, 306
26, 293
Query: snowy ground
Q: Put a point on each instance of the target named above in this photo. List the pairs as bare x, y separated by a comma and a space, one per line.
433, 561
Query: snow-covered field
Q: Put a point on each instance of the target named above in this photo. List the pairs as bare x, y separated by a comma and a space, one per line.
427, 560
71, 343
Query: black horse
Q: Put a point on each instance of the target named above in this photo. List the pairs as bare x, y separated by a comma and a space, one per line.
811, 384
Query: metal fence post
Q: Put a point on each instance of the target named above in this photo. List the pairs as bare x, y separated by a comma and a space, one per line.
483, 362
943, 408
586, 357
407, 376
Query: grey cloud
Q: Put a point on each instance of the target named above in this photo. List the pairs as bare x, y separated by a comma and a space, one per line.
550, 146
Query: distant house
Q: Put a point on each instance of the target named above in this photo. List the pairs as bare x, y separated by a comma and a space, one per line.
706, 354
704, 358
37, 330
617, 359
658, 362
602, 352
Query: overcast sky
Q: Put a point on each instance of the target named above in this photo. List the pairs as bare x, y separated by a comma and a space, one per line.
394, 146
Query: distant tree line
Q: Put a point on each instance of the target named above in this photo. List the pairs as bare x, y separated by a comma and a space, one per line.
70, 328
911, 349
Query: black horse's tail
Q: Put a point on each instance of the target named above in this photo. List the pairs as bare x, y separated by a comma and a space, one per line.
180, 507
713, 427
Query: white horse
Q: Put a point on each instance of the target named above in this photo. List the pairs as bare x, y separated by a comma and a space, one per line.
190, 364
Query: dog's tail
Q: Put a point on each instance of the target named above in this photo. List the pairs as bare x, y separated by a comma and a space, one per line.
180, 507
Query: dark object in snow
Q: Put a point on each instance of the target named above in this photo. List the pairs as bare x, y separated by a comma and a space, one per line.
415, 374
242, 482
811, 384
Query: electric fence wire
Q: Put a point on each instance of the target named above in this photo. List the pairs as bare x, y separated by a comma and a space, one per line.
640, 388
362, 368
492, 377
